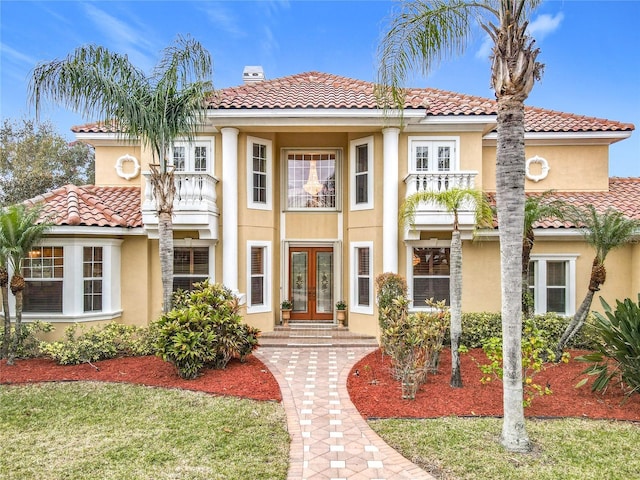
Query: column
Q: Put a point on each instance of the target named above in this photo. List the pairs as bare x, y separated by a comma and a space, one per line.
390, 200
230, 207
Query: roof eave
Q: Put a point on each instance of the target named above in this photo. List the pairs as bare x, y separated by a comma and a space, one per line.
553, 138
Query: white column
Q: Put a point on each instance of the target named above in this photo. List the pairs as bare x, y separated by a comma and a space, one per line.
390, 201
230, 207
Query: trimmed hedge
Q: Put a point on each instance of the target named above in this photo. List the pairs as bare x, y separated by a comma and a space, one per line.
479, 326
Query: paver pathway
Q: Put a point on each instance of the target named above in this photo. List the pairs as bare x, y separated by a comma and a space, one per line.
329, 438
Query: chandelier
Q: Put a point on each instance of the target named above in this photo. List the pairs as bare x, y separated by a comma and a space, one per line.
312, 186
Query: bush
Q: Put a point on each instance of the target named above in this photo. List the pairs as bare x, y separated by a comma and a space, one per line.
618, 352
28, 343
477, 327
204, 329
98, 343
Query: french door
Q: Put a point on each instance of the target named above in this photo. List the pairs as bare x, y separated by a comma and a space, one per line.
311, 283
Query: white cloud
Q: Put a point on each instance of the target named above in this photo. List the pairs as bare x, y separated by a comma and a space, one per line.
15, 55
223, 20
544, 25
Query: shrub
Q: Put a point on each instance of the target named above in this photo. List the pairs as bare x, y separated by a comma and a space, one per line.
392, 301
28, 343
204, 329
98, 343
535, 351
618, 352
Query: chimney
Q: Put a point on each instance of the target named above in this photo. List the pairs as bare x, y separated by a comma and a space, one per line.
252, 74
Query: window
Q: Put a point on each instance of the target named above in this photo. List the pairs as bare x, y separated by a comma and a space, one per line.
92, 274
552, 284
432, 155
190, 265
311, 180
73, 280
429, 275
362, 277
258, 271
43, 271
361, 169
195, 156
259, 173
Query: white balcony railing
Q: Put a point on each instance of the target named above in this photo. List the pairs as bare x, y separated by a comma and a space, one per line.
439, 181
194, 205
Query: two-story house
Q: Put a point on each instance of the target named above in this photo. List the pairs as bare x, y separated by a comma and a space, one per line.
292, 191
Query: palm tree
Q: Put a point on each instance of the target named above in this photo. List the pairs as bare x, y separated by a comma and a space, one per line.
154, 110
536, 208
4, 293
453, 201
20, 229
422, 34
604, 232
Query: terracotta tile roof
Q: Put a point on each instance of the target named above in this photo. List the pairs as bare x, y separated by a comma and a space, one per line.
92, 206
623, 195
316, 90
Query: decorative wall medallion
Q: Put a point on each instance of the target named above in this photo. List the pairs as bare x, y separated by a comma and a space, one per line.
125, 159
544, 169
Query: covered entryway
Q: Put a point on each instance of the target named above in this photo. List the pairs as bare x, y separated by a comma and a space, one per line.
311, 283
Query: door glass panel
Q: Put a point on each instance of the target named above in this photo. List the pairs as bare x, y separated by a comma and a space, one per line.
299, 270
324, 282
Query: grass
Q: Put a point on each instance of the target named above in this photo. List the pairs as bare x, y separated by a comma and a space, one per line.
469, 449
117, 431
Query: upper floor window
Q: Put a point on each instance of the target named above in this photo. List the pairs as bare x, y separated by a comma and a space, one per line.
429, 275
552, 283
433, 155
312, 180
259, 173
361, 172
194, 156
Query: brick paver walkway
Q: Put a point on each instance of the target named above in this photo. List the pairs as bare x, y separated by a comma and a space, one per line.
329, 438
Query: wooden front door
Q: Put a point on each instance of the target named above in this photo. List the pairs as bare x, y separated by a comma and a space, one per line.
311, 283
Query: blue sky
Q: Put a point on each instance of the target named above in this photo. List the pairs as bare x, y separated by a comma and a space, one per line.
590, 49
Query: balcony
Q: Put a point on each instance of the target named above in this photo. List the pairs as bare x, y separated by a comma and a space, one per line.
430, 216
194, 205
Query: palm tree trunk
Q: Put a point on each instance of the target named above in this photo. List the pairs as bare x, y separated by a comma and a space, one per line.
575, 325
455, 287
6, 338
17, 329
510, 170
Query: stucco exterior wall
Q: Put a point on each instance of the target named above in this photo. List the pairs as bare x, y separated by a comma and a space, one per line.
106, 158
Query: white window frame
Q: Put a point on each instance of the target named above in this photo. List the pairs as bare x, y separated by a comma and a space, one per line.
540, 281
353, 278
267, 205
73, 281
434, 243
189, 145
353, 146
266, 306
92, 278
285, 152
433, 143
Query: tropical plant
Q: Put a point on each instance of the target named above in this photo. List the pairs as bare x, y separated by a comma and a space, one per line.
286, 305
155, 110
453, 200
536, 208
390, 288
341, 305
21, 228
604, 232
421, 35
618, 352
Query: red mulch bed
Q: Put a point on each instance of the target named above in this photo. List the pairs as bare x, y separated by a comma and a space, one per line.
248, 380
383, 398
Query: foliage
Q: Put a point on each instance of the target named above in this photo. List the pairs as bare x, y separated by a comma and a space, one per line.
413, 341
88, 345
34, 158
341, 305
29, 344
286, 305
535, 350
618, 352
204, 329
479, 326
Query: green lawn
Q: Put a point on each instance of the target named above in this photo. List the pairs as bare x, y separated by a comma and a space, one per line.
116, 431
463, 448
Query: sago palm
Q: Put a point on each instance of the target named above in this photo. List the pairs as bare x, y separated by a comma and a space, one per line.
604, 232
20, 230
154, 110
452, 201
422, 34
